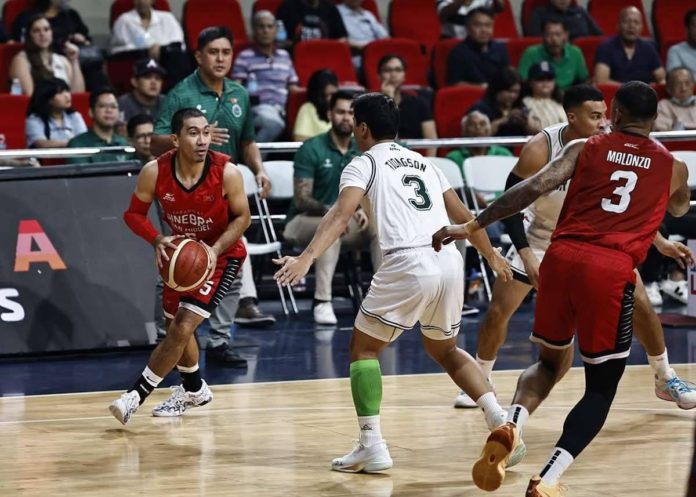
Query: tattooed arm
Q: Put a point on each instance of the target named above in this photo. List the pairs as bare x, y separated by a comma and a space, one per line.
304, 201
518, 197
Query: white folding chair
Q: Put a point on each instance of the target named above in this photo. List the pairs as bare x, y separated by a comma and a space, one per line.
272, 245
454, 177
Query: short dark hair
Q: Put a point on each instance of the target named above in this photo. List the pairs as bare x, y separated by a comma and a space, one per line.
480, 10
316, 86
379, 112
340, 95
579, 94
137, 120
688, 17
385, 60
94, 96
553, 20
213, 33
504, 79
181, 115
637, 99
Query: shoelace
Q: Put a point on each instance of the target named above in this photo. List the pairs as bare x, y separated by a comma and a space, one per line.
680, 386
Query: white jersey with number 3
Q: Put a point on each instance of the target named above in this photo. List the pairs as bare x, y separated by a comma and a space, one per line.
405, 193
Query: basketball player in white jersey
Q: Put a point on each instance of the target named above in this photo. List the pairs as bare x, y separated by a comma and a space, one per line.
531, 236
409, 199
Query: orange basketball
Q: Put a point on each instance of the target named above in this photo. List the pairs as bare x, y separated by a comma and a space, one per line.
187, 267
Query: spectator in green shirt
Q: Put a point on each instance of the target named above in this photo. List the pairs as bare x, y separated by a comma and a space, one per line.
567, 60
103, 108
476, 124
318, 166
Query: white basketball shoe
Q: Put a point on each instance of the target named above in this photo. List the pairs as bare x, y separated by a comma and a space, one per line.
125, 406
676, 390
370, 459
180, 400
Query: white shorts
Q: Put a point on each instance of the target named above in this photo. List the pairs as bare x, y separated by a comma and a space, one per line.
415, 285
517, 266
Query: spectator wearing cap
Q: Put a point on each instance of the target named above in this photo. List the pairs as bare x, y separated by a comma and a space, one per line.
684, 54
144, 28
678, 112
103, 108
140, 128
269, 75
453, 14
146, 97
626, 57
543, 97
479, 57
566, 59
578, 20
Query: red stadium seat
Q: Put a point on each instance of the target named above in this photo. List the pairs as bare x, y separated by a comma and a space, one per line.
588, 45
415, 19
451, 105
271, 5
200, 14
312, 55
7, 52
517, 46
606, 14
668, 19
409, 50
11, 9
295, 101
441, 53
528, 7
505, 26
608, 90
14, 108
80, 102
118, 7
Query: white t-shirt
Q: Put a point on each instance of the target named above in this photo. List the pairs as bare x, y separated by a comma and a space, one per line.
129, 33
404, 191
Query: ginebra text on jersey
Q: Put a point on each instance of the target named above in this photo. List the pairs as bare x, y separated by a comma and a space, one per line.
188, 222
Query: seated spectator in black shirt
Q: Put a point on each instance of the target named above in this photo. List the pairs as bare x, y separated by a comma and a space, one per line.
478, 58
503, 105
416, 118
311, 20
576, 18
453, 14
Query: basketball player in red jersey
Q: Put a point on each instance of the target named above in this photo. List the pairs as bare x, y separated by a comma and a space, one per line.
623, 182
202, 196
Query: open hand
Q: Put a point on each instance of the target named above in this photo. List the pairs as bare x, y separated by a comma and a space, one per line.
500, 265
448, 234
292, 271
161, 243
219, 136
677, 251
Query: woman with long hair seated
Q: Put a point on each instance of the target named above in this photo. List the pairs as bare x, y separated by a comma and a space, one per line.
51, 120
38, 61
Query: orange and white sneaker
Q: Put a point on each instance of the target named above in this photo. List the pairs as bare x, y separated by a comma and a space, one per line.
489, 471
537, 488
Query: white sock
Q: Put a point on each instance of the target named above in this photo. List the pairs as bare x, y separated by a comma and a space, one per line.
558, 462
486, 366
660, 366
370, 431
518, 414
491, 410
151, 377
186, 369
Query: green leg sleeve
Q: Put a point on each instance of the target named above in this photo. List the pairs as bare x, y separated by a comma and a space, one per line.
366, 385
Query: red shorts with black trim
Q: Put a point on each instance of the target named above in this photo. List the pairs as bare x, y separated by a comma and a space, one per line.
588, 290
204, 300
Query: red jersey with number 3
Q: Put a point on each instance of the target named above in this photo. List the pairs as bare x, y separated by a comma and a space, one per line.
618, 195
201, 211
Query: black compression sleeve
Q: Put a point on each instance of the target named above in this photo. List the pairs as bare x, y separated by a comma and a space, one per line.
514, 225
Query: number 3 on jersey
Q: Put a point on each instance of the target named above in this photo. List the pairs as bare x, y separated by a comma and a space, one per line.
623, 191
422, 201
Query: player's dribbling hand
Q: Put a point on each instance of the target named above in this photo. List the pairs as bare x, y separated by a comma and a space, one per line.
162, 242
219, 136
448, 234
677, 251
292, 271
500, 265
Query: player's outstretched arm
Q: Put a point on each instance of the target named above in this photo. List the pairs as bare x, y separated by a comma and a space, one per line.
233, 186
679, 193
332, 226
518, 197
459, 213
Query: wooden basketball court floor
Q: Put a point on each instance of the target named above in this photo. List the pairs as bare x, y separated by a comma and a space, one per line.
277, 439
